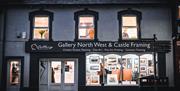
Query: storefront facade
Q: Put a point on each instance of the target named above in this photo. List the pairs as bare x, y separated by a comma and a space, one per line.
88, 47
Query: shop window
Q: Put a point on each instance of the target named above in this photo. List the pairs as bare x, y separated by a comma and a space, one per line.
114, 69
146, 65
86, 25
41, 25
129, 22
56, 72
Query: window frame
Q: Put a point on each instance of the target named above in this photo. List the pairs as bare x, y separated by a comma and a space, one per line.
130, 12
87, 13
40, 13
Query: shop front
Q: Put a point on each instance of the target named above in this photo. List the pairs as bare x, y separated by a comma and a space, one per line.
76, 66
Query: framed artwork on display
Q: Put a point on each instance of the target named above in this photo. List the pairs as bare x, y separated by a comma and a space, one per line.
94, 67
143, 69
112, 79
142, 74
95, 80
151, 71
94, 60
112, 60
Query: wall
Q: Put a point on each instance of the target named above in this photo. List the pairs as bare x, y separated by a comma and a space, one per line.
155, 20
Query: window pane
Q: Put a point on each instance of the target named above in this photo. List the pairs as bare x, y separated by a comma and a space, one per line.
41, 22
41, 33
129, 33
55, 72
69, 72
94, 69
129, 21
15, 72
112, 69
146, 65
86, 27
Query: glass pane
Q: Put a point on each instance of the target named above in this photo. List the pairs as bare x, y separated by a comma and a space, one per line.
94, 69
129, 33
130, 63
112, 69
55, 72
69, 72
86, 27
41, 33
146, 65
129, 21
41, 22
15, 72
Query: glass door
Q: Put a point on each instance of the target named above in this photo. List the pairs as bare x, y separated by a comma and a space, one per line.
58, 75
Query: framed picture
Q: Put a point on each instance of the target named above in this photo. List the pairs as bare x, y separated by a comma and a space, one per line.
113, 67
143, 74
150, 63
151, 71
143, 61
94, 60
112, 79
95, 80
112, 60
143, 69
94, 67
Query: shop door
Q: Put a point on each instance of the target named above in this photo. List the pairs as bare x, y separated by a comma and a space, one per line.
58, 75
13, 75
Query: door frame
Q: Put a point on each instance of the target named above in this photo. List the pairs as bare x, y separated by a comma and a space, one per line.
49, 60
7, 58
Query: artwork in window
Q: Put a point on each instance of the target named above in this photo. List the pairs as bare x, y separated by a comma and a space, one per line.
41, 33
15, 72
69, 72
41, 28
43, 72
41, 22
129, 33
55, 72
86, 27
150, 71
112, 79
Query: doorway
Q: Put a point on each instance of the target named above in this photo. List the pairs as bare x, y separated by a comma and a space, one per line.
58, 74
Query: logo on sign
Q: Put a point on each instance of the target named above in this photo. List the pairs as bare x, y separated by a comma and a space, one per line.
40, 47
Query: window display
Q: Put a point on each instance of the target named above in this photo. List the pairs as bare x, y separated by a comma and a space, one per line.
14, 72
41, 28
55, 72
114, 69
86, 27
69, 72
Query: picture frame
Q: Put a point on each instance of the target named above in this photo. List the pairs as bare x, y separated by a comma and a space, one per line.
94, 60
112, 60
95, 80
151, 71
143, 74
143, 69
112, 79
94, 67
143, 61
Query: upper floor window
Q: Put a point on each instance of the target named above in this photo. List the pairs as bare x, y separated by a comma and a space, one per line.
41, 25
129, 24
86, 25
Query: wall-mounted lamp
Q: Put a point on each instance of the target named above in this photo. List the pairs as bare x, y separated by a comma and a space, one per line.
21, 35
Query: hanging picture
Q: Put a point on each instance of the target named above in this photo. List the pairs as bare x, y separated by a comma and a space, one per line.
14, 72
94, 60
95, 80
112, 79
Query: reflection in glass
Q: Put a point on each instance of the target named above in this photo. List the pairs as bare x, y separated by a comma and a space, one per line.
69, 72
55, 72
14, 72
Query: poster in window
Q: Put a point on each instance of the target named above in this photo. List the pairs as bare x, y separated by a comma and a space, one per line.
14, 72
143, 61
150, 63
112, 79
